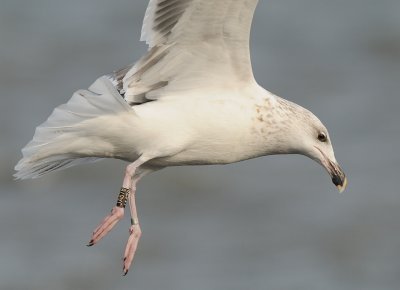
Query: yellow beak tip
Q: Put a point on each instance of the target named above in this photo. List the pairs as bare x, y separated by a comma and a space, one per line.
342, 188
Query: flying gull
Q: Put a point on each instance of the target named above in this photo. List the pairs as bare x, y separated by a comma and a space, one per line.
190, 100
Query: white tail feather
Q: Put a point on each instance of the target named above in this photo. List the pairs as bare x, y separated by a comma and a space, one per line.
50, 148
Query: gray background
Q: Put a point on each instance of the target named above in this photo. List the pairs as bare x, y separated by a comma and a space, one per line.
271, 223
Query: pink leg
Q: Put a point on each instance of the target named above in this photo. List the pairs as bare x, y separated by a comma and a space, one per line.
134, 231
117, 213
106, 225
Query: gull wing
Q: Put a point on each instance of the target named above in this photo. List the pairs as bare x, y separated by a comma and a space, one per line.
192, 44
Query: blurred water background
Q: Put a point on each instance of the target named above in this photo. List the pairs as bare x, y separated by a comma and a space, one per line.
272, 223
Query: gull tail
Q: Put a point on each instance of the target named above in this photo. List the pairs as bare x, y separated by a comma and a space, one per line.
73, 133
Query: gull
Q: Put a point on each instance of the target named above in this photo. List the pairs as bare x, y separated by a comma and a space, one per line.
192, 99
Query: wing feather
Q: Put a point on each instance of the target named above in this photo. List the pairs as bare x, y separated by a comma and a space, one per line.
191, 43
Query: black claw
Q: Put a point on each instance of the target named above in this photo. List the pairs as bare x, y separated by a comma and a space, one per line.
125, 272
90, 244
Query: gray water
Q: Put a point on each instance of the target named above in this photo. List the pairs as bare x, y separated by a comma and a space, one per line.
272, 223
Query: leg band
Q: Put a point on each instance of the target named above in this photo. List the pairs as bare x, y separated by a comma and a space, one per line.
123, 197
134, 222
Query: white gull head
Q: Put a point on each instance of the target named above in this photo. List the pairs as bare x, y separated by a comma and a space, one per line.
291, 129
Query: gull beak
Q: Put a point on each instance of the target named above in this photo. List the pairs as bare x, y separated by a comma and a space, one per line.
339, 179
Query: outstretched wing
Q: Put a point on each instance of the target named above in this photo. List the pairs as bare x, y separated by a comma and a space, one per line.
192, 44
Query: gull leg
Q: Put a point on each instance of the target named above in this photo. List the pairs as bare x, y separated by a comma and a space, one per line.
117, 212
134, 231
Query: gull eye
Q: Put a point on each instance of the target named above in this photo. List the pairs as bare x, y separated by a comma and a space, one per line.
322, 137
